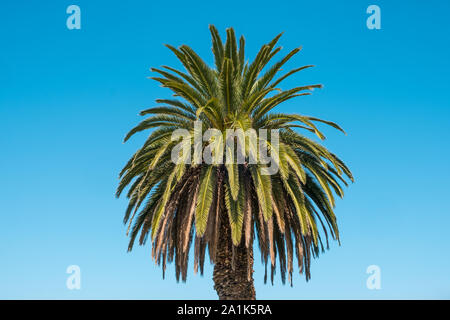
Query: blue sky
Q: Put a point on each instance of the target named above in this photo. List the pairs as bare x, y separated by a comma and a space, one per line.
68, 97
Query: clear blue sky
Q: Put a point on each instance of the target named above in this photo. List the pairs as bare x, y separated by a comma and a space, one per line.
67, 98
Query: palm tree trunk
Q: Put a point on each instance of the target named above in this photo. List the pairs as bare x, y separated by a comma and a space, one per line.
233, 278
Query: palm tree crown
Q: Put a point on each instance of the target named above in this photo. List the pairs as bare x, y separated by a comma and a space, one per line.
290, 212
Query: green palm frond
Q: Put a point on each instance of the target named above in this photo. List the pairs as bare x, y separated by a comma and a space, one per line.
205, 197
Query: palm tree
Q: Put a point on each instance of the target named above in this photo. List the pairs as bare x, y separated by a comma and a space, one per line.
223, 207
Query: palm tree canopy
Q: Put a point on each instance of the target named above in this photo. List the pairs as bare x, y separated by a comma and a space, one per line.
291, 212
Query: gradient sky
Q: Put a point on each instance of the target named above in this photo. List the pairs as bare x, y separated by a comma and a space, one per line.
67, 98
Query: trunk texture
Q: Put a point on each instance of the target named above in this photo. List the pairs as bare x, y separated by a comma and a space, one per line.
233, 269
